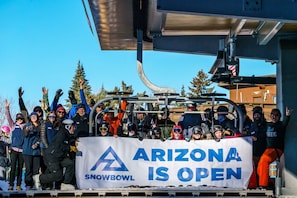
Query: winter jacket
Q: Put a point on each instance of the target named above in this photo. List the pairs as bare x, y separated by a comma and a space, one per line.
47, 134
275, 134
31, 137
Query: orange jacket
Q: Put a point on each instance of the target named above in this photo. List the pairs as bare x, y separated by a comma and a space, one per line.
115, 122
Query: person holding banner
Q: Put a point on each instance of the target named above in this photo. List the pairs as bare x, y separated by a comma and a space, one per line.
57, 156
197, 133
218, 132
104, 129
132, 131
258, 133
156, 133
223, 120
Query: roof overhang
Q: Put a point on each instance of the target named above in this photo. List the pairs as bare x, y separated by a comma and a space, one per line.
197, 27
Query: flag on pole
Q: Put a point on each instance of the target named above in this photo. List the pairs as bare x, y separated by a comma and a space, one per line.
233, 69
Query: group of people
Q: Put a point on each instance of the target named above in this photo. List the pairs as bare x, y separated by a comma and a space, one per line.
267, 136
44, 141
268, 142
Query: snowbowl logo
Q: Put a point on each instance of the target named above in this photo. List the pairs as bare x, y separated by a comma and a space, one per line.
111, 162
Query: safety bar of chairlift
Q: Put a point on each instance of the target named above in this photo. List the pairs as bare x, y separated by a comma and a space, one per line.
92, 113
238, 110
129, 99
196, 100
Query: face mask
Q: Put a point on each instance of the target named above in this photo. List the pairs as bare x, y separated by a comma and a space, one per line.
221, 118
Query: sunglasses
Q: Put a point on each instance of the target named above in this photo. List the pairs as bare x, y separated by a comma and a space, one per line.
52, 116
177, 130
103, 128
61, 112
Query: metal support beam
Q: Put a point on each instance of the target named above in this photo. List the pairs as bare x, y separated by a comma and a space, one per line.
237, 27
278, 10
245, 80
209, 45
267, 31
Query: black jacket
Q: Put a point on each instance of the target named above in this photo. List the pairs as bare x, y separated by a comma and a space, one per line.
82, 125
59, 148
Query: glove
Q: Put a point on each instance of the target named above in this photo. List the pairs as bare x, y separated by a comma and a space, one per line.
20, 92
72, 97
73, 149
29, 128
59, 93
228, 132
35, 146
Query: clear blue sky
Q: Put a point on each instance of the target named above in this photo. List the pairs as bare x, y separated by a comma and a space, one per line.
41, 42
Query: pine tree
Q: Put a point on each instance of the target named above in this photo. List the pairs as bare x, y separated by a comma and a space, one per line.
80, 74
200, 85
126, 88
101, 94
183, 92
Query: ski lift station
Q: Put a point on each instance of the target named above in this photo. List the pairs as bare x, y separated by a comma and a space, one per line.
226, 29
229, 30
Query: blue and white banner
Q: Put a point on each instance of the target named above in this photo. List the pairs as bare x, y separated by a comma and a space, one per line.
108, 162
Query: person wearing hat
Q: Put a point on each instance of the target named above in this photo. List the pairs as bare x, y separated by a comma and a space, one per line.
16, 155
47, 134
81, 120
197, 133
156, 133
165, 123
4, 144
189, 119
73, 111
176, 133
104, 129
258, 134
31, 151
61, 113
57, 157
275, 139
115, 121
218, 132
132, 131
144, 121
223, 120
5, 134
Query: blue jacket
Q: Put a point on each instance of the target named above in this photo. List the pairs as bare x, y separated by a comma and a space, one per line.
50, 132
17, 137
31, 136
